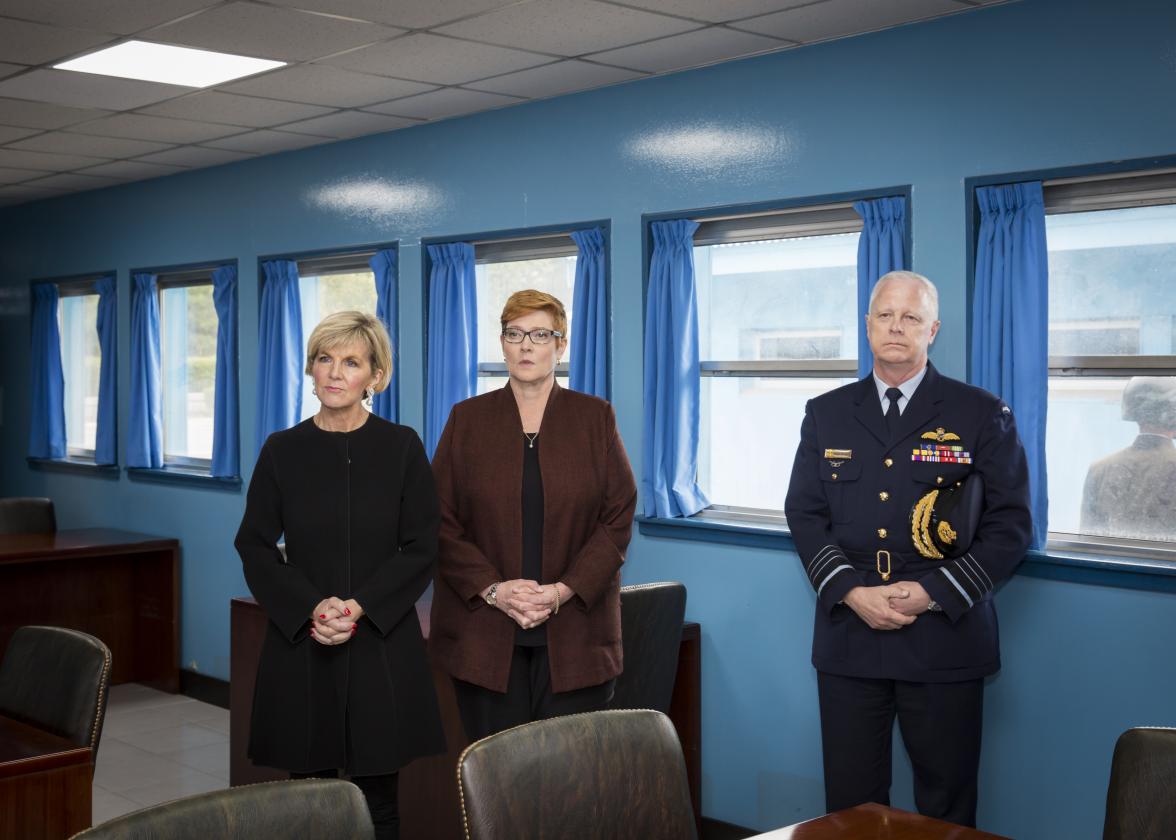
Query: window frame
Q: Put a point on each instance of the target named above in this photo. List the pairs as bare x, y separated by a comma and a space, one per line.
1148, 186
831, 215
185, 278
77, 286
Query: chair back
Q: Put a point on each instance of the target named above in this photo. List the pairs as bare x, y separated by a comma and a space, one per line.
651, 634
617, 774
57, 679
1140, 803
27, 516
327, 808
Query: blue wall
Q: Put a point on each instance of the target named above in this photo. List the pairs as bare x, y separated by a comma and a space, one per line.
1029, 85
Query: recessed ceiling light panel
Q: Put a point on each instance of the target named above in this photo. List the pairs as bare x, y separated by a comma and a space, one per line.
168, 64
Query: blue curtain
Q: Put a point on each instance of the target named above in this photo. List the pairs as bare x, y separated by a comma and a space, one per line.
226, 435
279, 353
105, 445
453, 335
881, 249
669, 479
47, 380
384, 265
589, 367
1010, 320
145, 433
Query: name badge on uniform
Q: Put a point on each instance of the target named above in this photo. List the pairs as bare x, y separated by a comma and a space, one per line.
837, 457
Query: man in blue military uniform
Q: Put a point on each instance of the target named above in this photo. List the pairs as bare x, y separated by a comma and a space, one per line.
902, 628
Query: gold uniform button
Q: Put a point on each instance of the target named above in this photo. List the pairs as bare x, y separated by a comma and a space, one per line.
889, 462
884, 496
938, 479
882, 533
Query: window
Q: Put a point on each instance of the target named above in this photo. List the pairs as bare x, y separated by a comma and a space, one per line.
328, 285
778, 325
81, 361
546, 263
1112, 293
187, 342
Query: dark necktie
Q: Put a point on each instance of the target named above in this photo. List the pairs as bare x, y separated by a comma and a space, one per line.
892, 415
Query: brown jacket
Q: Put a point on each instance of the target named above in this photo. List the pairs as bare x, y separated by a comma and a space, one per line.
588, 501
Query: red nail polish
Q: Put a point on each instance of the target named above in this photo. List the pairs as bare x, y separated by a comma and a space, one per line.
347, 612
322, 615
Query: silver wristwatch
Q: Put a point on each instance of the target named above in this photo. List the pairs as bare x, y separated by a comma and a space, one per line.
492, 595
933, 607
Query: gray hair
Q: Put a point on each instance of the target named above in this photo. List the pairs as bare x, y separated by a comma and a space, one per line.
929, 291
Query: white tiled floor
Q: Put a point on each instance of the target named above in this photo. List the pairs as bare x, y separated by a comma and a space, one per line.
156, 747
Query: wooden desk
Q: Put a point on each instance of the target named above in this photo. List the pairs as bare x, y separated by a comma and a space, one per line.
120, 586
876, 822
429, 807
44, 783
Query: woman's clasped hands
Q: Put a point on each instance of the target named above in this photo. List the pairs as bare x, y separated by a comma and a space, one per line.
334, 621
527, 602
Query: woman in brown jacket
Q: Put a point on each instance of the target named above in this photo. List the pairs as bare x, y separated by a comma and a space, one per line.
537, 500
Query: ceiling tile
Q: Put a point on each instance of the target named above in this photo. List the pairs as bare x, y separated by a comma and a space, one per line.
122, 17
15, 176
35, 43
217, 107
323, 85
270, 32
703, 46
72, 181
131, 170
554, 79
447, 102
162, 129
347, 124
64, 143
567, 27
42, 115
709, 10
82, 90
7, 70
411, 14
17, 159
9, 133
431, 58
836, 18
267, 142
194, 156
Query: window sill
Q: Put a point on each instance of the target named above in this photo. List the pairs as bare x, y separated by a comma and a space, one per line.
179, 475
1088, 567
77, 466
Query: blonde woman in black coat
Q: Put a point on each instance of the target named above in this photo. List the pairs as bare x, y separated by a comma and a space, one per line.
343, 683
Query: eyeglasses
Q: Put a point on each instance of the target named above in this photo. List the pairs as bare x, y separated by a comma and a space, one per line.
513, 335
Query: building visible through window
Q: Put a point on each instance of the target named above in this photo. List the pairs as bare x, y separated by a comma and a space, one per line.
1112, 344
778, 325
81, 362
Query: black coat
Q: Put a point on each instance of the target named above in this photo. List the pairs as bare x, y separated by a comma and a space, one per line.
360, 518
844, 506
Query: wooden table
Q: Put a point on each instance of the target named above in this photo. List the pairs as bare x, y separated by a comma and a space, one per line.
429, 807
44, 783
876, 822
120, 586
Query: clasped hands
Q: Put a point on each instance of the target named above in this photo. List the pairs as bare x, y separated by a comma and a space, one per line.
889, 607
527, 603
334, 620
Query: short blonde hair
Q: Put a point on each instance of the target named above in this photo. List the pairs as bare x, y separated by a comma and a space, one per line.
532, 300
348, 326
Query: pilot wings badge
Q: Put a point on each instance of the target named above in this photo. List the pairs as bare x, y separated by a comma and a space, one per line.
940, 435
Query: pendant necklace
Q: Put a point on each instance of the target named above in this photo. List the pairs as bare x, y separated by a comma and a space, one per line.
530, 439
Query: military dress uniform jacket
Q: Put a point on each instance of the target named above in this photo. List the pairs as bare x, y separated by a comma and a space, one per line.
846, 506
